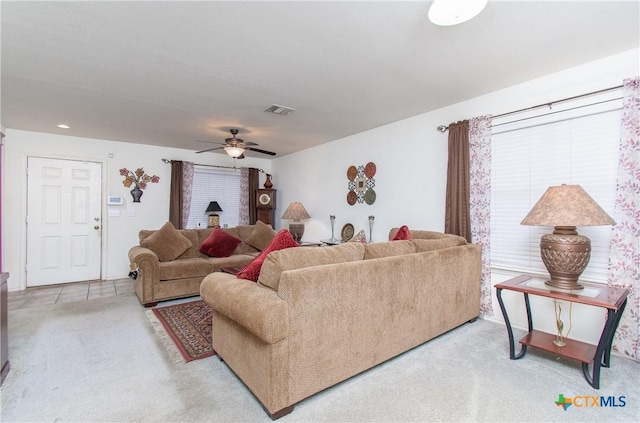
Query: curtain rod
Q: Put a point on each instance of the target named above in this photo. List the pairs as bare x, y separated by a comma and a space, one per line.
443, 128
167, 161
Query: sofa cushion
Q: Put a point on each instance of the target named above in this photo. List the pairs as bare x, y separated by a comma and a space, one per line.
403, 233
233, 261
261, 236
388, 249
244, 232
282, 240
167, 243
219, 244
185, 269
422, 245
280, 261
192, 236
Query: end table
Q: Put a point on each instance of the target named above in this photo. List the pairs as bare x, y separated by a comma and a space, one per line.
613, 299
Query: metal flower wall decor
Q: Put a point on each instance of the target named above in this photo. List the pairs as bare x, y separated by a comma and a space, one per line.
139, 180
361, 184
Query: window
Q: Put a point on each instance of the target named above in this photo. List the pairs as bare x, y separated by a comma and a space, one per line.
577, 146
214, 185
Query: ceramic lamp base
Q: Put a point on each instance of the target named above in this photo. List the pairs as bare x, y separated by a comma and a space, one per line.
214, 220
565, 254
297, 230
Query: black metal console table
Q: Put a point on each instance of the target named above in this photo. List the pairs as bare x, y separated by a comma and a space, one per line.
612, 298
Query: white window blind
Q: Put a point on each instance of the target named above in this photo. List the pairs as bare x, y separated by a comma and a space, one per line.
574, 147
214, 185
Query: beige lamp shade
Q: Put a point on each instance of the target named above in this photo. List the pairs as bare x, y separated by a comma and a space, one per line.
296, 212
567, 205
564, 253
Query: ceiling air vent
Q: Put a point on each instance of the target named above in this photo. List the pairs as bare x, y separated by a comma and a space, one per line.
279, 110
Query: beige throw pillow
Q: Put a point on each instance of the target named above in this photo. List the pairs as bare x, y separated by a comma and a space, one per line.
167, 243
261, 236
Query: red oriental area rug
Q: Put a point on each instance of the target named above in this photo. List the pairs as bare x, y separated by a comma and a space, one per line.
189, 326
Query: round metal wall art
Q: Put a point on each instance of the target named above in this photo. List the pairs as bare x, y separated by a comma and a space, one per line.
361, 184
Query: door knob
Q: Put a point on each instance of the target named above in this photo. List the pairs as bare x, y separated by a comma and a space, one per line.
96, 227
97, 219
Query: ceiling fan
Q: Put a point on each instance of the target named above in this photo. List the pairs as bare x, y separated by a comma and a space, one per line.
235, 147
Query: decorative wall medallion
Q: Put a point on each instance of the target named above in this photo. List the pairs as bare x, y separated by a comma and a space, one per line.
370, 197
351, 173
351, 198
361, 184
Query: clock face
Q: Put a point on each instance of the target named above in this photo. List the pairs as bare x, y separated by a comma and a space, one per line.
264, 199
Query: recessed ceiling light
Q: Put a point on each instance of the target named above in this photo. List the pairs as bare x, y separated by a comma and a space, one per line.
63, 126
453, 12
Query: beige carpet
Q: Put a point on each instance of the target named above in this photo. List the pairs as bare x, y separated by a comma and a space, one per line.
100, 360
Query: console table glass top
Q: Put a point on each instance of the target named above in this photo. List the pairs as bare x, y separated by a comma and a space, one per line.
592, 294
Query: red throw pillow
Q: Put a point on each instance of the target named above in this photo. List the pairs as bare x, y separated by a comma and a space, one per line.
403, 233
282, 240
219, 244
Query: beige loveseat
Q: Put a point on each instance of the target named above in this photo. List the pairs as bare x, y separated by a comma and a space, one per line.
162, 278
318, 316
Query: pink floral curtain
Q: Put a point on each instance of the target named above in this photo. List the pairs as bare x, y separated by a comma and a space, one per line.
187, 189
624, 259
480, 200
244, 197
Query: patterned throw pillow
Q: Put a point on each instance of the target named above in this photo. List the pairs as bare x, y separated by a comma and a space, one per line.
359, 237
167, 243
402, 234
282, 240
219, 244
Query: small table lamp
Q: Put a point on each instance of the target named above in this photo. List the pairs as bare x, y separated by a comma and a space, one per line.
564, 253
214, 219
295, 212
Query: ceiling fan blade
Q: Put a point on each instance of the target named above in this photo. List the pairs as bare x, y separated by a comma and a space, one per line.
210, 142
257, 150
209, 149
249, 143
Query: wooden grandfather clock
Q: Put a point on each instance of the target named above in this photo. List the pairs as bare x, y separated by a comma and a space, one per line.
266, 205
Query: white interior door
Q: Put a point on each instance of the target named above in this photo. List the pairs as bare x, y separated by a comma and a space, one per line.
64, 222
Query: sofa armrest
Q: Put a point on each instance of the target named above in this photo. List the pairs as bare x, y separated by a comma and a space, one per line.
258, 309
148, 273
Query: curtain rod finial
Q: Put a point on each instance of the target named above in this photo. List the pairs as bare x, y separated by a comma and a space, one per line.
166, 161
442, 128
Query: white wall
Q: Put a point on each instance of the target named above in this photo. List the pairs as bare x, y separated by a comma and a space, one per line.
119, 233
411, 158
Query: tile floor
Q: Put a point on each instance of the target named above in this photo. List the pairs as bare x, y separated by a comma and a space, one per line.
64, 293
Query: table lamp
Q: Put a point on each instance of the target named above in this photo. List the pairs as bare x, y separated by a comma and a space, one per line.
214, 219
564, 253
296, 212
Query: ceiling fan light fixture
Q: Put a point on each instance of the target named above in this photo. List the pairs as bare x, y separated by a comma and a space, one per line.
234, 152
453, 12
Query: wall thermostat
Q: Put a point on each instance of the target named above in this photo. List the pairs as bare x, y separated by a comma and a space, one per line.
115, 200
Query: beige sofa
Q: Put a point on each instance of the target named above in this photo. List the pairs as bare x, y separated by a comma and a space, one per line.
318, 316
160, 280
